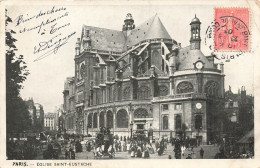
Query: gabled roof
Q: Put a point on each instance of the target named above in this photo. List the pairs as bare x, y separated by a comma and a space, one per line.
106, 39
114, 40
150, 29
188, 57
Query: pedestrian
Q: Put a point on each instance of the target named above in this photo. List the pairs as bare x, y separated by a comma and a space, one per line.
67, 154
201, 153
182, 150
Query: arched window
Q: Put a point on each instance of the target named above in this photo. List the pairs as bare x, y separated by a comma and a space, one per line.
90, 120
141, 113
95, 120
165, 122
198, 122
82, 70
102, 119
143, 92
212, 88
178, 122
110, 119
126, 92
122, 119
184, 87
163, 90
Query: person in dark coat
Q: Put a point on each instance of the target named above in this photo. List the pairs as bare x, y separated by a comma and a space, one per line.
201, 153
67, 154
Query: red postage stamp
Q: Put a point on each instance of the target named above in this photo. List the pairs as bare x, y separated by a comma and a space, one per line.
232, 29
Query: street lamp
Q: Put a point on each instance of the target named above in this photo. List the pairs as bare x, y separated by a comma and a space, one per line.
199, 135
131, 129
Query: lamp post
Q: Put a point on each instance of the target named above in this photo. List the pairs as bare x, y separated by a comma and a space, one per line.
199, 135
131, 129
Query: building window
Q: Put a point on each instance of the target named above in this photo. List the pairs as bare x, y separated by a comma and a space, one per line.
184, 87
178, 106
165, 122
101, 119
163, 90
198, 122
95, 120
212, 88
122, 119
165, 107
82, 71
141, 113
110, 119
126, 92
143, 92
178, 122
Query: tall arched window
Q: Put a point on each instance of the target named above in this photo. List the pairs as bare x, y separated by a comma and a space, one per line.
141, 113
126, 94
95, 120
90, 120
184, 87
212, 88
102, 119
122, 119
198, 122
163, 90
110, 119
178, 122
143, 92
165, 122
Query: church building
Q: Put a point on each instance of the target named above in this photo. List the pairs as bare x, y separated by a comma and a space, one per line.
142, 79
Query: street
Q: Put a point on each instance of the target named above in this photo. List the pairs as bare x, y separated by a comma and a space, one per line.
209, 153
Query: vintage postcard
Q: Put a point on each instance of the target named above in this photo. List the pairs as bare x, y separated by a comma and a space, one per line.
130, 84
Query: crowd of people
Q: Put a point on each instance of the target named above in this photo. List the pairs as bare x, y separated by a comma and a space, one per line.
23, 149
106, 144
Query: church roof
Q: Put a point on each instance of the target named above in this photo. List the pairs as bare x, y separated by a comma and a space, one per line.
114, 40
106, 39
150, 29
188, 57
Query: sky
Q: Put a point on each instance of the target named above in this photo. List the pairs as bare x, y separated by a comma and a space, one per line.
45, 83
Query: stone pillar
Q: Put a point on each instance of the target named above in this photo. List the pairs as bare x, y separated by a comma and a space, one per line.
114, 120
105, 118
172, 85
98, 120
108, 72
199, 82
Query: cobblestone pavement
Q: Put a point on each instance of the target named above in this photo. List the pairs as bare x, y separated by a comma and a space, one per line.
209, 153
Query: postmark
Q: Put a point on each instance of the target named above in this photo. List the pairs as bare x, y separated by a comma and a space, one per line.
231, 29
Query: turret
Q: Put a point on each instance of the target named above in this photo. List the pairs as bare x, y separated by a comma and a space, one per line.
172, 59
195, 34
86, 39
129, 23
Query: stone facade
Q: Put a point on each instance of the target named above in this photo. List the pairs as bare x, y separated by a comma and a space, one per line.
142, 76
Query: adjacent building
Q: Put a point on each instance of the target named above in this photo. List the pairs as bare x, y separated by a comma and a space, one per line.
140, 78
36, 112
239, 108
50, 121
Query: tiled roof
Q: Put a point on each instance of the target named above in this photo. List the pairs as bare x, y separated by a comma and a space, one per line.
187, 58
150, 29
106, 39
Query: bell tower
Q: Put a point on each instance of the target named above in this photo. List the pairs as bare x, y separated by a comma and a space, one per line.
195, 34
129, 23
